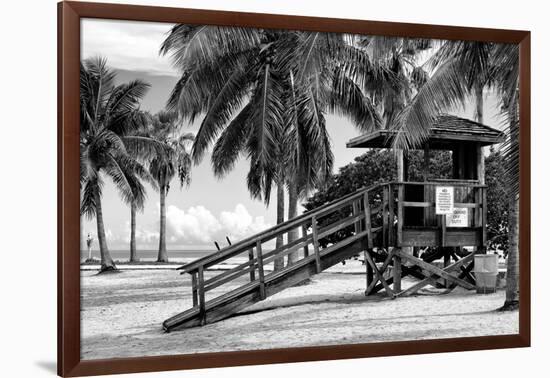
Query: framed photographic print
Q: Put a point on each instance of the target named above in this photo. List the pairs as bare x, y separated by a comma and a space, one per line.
239, 188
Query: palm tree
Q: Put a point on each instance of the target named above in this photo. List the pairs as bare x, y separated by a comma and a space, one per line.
448, 88
474, 63
164, 164
264, 95
505, 71
105, 142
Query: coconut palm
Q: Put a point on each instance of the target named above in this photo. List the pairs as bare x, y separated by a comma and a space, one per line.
505, 72
448, 87
474, 63
402, 77
265, 95
141, 123
105, 143
174, 159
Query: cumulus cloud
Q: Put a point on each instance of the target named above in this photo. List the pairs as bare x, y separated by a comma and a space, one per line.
198, 225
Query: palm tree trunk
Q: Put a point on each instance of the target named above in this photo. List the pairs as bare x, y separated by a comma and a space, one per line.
292, 213
279, 263
107, 262
133, 253
479, 103
163, 255
512, 264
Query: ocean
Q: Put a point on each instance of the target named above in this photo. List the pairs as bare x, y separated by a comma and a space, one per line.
150, 254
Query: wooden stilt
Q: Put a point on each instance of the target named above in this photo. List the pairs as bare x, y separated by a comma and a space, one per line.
396, 273
202, 300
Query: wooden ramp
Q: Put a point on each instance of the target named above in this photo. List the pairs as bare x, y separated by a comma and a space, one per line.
353, 216
368, 219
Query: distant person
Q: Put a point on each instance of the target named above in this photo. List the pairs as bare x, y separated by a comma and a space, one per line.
89, 241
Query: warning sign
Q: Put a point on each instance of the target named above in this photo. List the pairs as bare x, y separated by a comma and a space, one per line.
444, 200
459, 218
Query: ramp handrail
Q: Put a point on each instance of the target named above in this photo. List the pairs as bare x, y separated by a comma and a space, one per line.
273, 232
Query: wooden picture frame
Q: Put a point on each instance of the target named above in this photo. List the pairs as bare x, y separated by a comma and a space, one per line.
69, 362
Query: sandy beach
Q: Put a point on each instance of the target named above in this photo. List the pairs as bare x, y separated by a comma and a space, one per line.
122, 314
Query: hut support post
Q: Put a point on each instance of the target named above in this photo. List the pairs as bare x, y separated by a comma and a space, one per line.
396, 272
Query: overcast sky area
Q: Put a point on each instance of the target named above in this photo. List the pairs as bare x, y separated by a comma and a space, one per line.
209, 209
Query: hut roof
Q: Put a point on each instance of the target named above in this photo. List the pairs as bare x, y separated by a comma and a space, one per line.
447, 130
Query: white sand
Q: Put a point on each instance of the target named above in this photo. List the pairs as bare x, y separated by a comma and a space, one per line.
122, 315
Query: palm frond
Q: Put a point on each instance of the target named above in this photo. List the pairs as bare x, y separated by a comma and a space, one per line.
231, 143
190, 44
225, 102
347, 99
443, 91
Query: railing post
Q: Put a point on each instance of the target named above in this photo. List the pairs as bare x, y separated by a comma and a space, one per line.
385, 196
484, 217
194, 289
396, 273
250, 259
355, 211
400, 216
368, 226
202, 300
260, 268
391, 215
304, 235
316, 244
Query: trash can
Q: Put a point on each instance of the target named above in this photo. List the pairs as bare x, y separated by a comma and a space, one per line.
486, 271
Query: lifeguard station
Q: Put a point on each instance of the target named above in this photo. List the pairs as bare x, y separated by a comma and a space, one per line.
389, 220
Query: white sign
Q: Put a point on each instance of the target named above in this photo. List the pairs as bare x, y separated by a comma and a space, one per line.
444, 200
459, 218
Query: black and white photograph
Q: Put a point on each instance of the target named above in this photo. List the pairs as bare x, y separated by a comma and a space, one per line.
248, 189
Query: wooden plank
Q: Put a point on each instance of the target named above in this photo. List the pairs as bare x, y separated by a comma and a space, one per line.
379, 276
271, 233
285, 249
391, 215
340, 224
355, 212
251, 261
260, 268
384, 216
418, 204
400, 213
443, 219
396, 273
202, 300
435, 270
382, 269
304, 236
228, 272
227, 278
484, 217
369, 272
431, 280
463, 205
368, 225
194, 289
316, 244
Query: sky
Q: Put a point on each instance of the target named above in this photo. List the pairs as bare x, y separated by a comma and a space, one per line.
209, 209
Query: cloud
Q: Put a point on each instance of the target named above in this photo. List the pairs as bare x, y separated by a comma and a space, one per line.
198, 225
239, 223
127, 45
194, 228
